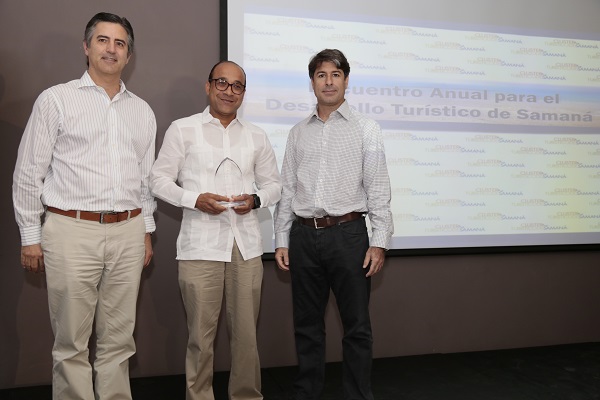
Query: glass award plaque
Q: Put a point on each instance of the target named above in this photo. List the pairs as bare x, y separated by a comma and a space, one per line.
229, 182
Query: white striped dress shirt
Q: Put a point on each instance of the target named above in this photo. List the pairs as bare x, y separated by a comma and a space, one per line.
334, 168
82, 150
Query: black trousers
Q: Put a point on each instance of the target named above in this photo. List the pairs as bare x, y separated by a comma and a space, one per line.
320, 260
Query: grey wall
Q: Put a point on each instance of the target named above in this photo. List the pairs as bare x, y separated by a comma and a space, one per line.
420, 304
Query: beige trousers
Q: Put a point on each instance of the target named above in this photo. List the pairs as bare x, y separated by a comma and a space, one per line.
93, 275
202, 285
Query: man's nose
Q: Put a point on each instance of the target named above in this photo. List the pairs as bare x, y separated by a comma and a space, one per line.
111, 46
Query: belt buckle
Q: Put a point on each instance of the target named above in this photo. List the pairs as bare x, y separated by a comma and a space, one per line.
316, 224
104, 213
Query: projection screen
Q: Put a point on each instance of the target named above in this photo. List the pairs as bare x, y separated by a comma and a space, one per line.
489, 110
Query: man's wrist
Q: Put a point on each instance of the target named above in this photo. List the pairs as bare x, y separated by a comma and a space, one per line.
31, 235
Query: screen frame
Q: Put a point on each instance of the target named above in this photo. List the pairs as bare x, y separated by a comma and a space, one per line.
425, 251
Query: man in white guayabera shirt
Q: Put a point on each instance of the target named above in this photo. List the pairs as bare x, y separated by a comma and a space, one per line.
219, 168
83, 164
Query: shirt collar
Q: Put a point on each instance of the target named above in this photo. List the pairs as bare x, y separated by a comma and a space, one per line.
87, 81
208, 118
343, 110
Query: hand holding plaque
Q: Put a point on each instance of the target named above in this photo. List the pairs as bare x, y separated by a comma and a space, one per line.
229, 182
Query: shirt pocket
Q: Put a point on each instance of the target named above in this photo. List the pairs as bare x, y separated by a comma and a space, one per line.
204, 235
199, 168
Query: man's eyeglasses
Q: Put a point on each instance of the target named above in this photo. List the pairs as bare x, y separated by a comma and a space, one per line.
222, 85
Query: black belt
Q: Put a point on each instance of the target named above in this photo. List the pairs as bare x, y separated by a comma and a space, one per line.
328, 220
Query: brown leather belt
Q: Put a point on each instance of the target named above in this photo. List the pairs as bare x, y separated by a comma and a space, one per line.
102, 217
328, 221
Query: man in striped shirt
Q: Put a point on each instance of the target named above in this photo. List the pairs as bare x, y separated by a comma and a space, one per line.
83, 167
334, 173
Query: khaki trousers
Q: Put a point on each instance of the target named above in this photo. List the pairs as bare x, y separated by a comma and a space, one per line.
93, 275
202, 285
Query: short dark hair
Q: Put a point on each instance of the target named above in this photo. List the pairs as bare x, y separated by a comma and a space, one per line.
329, 55
212, 70
113, 18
